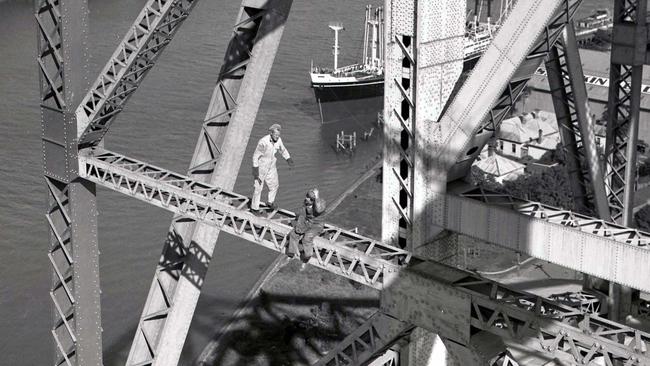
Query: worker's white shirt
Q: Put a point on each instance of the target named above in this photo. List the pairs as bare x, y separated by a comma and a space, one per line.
264, 155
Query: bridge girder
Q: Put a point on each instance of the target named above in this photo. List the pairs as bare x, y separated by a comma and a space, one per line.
456, 301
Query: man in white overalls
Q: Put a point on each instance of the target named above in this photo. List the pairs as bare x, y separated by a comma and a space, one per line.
264, 169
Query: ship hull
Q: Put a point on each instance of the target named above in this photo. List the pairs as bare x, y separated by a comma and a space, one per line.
355, 104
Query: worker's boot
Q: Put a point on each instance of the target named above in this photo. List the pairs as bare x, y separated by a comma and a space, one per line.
272, 206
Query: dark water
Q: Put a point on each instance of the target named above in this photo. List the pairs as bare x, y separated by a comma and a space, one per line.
160, 125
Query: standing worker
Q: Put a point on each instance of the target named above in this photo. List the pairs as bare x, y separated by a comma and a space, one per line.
306, 227
264, 169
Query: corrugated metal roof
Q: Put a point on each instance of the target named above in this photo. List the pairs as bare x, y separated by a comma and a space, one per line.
525, 129
498, 165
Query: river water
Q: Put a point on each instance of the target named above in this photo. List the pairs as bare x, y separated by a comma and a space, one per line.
160, 125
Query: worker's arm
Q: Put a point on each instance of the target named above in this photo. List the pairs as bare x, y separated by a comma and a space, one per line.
285, 153
259, 151
319, 206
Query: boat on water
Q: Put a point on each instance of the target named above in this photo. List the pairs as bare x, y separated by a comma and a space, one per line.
354, 93
595, 31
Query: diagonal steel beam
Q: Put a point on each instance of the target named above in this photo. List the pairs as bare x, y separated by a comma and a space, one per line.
375, 335
143, 43
566, 81
500, 76
221, 146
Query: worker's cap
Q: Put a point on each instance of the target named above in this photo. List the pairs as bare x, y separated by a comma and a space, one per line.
275, 126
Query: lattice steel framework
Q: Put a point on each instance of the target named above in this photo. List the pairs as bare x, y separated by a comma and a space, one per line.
374, 336
71, 214
342, 252
628, 56
222, 142
561, 330
566, 81
143, 43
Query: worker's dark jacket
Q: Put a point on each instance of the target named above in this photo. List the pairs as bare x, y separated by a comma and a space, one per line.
308, 217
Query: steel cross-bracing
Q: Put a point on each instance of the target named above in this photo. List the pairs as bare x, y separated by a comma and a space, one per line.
143, 43
187, 251
628, 55
62, 54
484, 304
566, 81
374, 336
455, 298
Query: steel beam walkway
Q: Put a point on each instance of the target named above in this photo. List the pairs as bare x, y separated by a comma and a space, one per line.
340, 251
483, 304
544, 232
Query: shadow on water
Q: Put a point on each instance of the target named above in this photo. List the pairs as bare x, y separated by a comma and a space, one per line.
279, 329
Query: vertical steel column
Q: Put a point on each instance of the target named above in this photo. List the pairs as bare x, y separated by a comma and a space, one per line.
72, 214
570, 101
424, 58
222, 142
628, 55
629, 41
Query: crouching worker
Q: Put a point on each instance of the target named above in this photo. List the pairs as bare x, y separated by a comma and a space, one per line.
306, 226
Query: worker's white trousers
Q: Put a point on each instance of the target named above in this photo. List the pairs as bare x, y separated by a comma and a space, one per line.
271, 180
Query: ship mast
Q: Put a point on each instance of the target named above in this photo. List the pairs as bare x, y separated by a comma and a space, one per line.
365, 36
374, 23
336, 27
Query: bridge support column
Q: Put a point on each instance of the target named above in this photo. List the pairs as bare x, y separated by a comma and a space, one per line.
62, 57
628, 55
424, 58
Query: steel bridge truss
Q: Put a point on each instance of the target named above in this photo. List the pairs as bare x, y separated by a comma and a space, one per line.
143, 43
339, 251
492, 307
